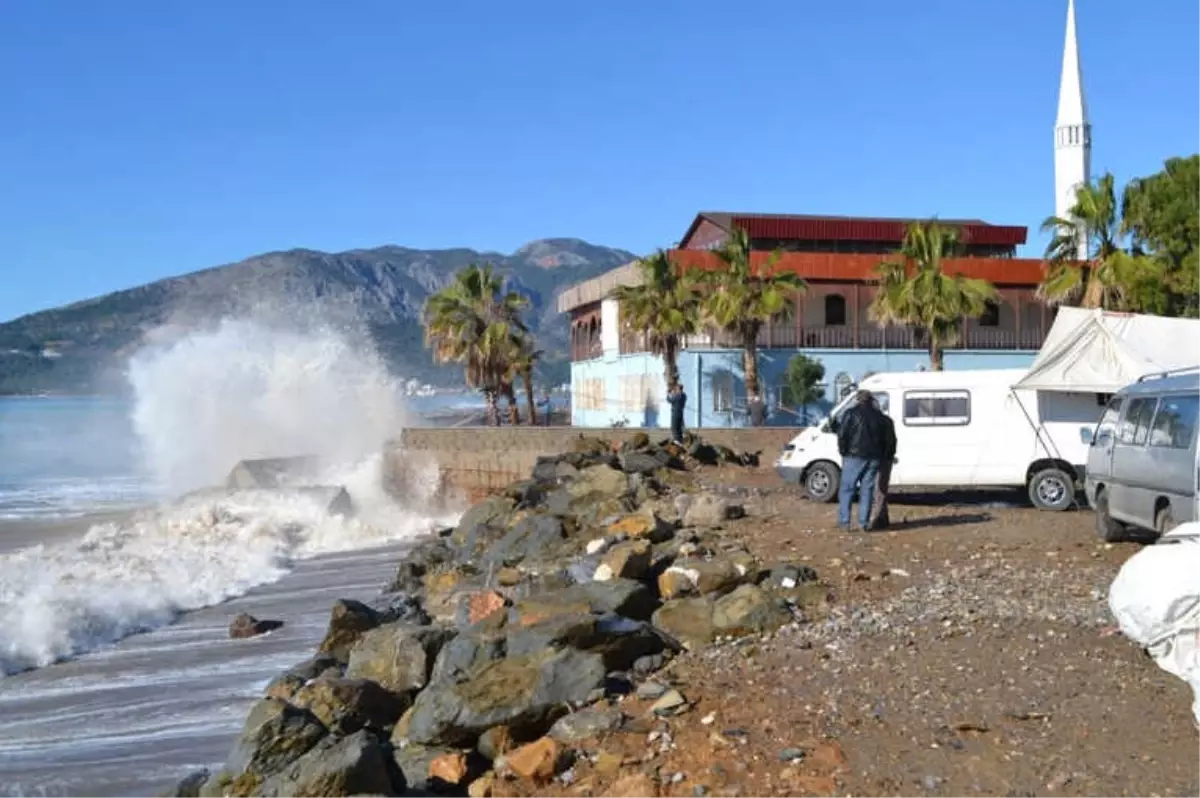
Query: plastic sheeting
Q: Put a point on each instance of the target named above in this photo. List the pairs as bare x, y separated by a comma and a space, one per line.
1095, 351
1156, 601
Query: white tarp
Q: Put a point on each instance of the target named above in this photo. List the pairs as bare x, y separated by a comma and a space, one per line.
1095, 351
1156, 601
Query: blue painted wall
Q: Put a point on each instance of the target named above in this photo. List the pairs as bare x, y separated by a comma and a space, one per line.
698, 370
630, 386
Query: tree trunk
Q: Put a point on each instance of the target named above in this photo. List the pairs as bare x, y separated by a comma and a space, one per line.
671, 360
493, 408
527, 378
936, 355
514, 412
1093, 289
754, 399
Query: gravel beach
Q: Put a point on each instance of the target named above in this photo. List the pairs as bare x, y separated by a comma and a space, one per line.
968, 652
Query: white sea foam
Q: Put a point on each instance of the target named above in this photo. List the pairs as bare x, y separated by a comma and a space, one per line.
204, 401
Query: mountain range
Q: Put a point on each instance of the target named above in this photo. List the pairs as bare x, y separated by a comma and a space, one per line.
82, 347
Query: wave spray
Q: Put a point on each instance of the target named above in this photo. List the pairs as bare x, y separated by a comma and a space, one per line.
205, 399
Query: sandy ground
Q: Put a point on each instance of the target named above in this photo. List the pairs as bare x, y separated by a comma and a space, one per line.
968, 652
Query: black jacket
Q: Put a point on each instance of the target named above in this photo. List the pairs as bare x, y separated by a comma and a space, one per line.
865, 432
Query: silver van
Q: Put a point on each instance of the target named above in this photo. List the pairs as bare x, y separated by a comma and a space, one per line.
1142, 469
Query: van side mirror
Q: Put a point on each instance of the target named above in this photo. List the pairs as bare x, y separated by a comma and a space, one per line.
1085, 435
831, 425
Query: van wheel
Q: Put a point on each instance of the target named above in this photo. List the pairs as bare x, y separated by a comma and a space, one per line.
1164, 521
821, 481
1107, 529
1052, 489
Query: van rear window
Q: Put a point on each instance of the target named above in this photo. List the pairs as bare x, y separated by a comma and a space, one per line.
937, 408
1135, 427
1175, 423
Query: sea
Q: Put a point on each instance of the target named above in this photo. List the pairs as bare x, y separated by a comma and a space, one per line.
120, 568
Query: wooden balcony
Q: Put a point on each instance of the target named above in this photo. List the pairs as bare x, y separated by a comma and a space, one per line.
866, 337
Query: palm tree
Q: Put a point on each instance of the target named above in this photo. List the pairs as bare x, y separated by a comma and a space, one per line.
915, 290
524, 360
472, 321
1109, 277
664, 306
742, 298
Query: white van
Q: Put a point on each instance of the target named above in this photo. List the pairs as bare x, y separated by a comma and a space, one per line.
962, 429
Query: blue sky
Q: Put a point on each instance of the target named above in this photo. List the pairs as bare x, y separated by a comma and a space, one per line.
144, 138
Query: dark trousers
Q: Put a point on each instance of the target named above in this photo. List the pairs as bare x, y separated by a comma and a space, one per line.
879, 515
677, 427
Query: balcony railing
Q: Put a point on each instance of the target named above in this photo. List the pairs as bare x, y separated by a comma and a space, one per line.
846, 337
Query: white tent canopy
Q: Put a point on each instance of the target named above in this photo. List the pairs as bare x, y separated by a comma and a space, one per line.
1095, 351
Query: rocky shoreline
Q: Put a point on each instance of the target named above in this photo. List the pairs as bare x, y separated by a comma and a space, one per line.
505, 644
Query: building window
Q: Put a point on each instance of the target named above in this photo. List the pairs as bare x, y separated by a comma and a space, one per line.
722, 389
835, 310
937, 408
990, 316
1175, 424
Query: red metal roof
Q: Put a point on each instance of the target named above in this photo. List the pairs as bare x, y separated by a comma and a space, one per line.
1026, 272
795, 227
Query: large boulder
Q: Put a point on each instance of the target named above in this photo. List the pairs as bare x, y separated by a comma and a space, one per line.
273, 472
621, 596
644, 462
246, 625
480, 524
585, 724
643, 525
694, 577
600, 480
469, 652
523, 693
629, 560
709, 509
588, 509
190, 785
419, 766
398, 656
391, 607
525, 492
748, 610
285, 685
347, 705
574, 630
348, 621
274, 735
532, 537
353, 765
688, 620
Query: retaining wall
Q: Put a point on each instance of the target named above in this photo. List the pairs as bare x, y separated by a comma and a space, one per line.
475, 461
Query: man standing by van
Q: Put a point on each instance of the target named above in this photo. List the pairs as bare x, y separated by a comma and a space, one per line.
677, 399
862, 443
879, 517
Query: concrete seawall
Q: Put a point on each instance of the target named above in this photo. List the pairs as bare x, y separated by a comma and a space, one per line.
475, 461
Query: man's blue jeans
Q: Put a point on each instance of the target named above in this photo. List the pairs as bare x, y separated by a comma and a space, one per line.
858, 473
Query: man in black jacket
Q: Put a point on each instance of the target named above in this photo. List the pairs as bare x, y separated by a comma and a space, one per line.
879, 516
678, 400
863, 444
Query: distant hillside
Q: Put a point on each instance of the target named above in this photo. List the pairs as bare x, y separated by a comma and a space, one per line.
82, 347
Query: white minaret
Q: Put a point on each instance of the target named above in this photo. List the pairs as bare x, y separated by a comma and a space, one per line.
1072, 133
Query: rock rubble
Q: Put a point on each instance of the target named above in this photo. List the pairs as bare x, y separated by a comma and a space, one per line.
504, 642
